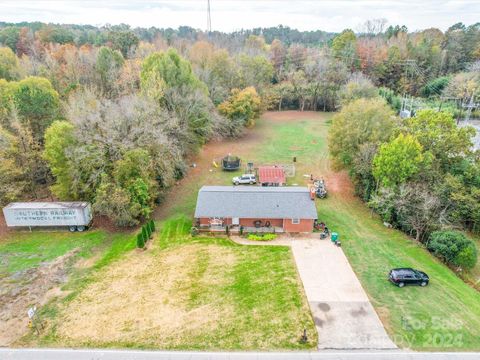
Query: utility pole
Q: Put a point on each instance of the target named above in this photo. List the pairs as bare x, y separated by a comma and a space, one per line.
469, 107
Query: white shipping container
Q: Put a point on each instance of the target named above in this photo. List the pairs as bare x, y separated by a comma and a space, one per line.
75, 215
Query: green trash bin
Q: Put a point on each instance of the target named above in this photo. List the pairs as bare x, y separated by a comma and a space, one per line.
334, 237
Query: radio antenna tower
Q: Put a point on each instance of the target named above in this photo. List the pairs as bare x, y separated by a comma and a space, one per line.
209, 18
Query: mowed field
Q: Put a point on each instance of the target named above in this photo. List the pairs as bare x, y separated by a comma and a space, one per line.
204, 293
185, 293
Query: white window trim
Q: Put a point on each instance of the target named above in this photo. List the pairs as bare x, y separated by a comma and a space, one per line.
295, 221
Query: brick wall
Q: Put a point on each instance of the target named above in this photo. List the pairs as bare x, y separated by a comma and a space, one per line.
305, 225
250, 222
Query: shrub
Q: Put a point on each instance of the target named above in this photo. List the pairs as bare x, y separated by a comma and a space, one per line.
140, 240
194, 231
152, 225
149, 229
145, 233
265, 237
454, 248
467, 258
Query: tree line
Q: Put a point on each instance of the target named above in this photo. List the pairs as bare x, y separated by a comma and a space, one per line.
87, 123
110, 114
420, 174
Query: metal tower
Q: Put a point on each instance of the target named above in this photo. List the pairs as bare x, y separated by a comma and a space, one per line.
209, 18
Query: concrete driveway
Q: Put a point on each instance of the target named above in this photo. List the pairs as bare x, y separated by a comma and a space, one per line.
344, 317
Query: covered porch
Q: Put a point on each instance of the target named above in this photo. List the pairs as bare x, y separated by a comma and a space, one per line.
235, 229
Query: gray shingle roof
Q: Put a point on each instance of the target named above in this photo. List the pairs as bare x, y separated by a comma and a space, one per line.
255, 202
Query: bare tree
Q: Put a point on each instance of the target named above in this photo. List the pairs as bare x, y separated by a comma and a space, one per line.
419, 209
372, 27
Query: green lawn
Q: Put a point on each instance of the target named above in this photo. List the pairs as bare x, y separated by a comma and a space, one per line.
263, 289
474, 275
187, 293
21, 251
443, 316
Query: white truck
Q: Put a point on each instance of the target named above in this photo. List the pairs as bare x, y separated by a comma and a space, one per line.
76, 216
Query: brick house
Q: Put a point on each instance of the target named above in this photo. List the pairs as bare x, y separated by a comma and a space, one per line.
258, 209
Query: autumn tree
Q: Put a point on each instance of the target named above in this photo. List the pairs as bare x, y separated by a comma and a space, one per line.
59, 139
255, 71
108, 66
439, 135
343, 46
37, 104
362, 121
163, 70
277, 55
9, 67
242, 105
123, 41
223, 76
358, 86
12, 182
398, 160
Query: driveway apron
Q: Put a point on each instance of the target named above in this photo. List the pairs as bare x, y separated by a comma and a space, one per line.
343, 314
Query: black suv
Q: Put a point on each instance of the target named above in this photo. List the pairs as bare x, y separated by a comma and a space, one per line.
408, 276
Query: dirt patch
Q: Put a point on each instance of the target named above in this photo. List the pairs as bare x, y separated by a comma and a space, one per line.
339, 183
213, 151
24, 289
85, 263
290, 115
148, 297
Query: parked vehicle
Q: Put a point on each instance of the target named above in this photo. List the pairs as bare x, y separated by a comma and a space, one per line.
408, 276
244, 179
320, 188
77, 216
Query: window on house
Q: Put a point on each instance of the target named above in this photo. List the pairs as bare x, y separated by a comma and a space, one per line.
295, 221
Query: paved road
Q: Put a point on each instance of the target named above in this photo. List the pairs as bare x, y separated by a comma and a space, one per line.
66, 354
343, 314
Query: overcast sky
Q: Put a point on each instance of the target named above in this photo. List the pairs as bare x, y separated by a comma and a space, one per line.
227, 15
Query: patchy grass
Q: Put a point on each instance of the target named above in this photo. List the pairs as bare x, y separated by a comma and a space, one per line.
188, 293
21, 251
35, 265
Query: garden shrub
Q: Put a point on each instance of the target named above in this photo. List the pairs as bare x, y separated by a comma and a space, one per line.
467, 258
140, 240
265, 237
145, 233
454, 248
